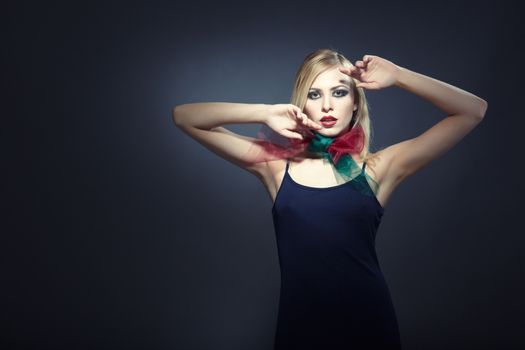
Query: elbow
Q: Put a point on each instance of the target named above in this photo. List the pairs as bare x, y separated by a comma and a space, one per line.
483, 109
176, 115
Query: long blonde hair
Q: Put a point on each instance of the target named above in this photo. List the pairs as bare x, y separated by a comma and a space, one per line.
314, 64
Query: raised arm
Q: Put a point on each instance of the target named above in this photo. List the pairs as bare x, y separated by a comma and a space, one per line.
464, 112
208, 115
203, 122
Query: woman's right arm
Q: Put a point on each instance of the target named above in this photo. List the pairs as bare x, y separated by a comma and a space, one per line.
208, 115
203, 122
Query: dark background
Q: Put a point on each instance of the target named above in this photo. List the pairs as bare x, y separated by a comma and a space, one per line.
121, 232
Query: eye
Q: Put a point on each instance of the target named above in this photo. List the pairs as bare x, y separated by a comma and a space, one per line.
310, 94
343, 92
338, 93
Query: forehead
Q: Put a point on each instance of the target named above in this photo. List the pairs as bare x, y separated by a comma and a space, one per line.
330, 78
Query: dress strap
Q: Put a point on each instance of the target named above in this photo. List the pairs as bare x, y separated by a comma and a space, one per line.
286, 165
363, 167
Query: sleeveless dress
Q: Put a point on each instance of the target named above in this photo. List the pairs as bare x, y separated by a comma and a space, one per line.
333, 293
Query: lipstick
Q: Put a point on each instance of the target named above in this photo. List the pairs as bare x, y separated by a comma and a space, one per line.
328, 120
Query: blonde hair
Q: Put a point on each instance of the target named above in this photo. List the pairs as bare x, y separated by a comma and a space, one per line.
314, 64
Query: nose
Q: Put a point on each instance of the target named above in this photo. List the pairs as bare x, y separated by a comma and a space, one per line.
327, 104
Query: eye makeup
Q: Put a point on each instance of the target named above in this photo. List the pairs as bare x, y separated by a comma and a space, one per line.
342, 92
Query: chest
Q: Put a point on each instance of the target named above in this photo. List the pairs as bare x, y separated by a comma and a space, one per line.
322, 177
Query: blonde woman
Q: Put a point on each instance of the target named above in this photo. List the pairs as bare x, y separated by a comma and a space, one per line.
329, 192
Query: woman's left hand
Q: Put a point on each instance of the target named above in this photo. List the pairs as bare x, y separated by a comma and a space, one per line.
373, 72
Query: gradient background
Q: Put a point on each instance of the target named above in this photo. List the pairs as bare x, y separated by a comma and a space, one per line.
121, 232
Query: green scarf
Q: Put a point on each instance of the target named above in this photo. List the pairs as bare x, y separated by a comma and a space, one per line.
347, 169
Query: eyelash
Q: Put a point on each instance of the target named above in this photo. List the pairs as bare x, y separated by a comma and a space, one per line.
314, 92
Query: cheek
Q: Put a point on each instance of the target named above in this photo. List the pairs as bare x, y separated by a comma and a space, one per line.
346, 103
307, 107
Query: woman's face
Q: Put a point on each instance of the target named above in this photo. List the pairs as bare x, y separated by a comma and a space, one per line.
331, 95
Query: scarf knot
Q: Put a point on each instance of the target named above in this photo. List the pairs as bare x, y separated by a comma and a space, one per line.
351, 142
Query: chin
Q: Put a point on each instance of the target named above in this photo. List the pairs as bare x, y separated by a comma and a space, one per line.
332, 132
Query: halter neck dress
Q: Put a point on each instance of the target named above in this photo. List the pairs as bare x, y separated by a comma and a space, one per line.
333, 293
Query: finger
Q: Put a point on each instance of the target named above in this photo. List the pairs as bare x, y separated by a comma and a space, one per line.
352, 72
358, 72
367, 58
313, 124
299, 120
348, 70
304, 118
309, 123
307, 120
360, 64
296, 113
291, 134
301, 117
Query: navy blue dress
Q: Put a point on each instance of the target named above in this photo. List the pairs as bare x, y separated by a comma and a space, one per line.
333, 294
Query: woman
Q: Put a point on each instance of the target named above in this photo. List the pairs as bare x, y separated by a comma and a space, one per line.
329, 191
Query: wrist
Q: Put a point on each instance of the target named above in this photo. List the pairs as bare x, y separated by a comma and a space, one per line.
261, 116
401, 77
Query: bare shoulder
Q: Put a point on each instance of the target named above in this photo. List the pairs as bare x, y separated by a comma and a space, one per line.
378, 167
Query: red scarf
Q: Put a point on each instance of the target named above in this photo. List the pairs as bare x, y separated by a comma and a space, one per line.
351, 142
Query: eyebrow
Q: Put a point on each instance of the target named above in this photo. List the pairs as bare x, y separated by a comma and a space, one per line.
347, 82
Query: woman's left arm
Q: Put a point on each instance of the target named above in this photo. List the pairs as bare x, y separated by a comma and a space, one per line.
464, 112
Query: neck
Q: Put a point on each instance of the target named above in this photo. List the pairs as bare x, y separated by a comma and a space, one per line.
342, 132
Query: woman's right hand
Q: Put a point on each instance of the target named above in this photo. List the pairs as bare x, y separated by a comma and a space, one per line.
289, 121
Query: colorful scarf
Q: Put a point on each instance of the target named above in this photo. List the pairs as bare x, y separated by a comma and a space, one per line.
337, 150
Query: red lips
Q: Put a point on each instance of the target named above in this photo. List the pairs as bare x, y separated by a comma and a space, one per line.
328, 118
